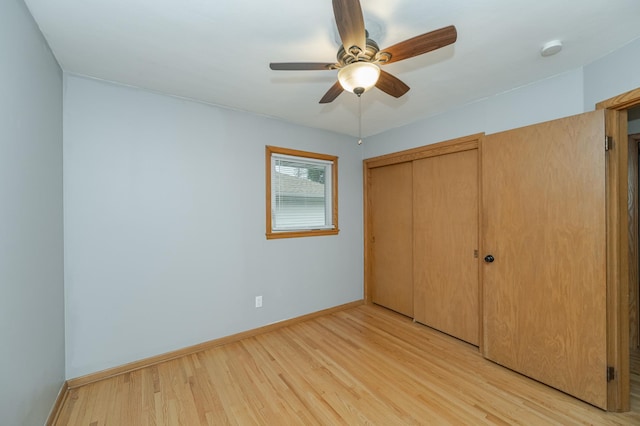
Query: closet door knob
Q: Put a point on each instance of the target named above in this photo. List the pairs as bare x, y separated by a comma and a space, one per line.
489, 258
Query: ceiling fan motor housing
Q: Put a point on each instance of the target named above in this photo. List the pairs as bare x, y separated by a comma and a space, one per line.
355, 54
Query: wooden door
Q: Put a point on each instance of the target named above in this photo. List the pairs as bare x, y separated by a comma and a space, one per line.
544, 295
445, 266
390, 212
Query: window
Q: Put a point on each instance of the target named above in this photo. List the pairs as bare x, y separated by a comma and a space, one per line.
302, 193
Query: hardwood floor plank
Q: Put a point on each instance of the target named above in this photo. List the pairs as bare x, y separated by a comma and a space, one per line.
362, 365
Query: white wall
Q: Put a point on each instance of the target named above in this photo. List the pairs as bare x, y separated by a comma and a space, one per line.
165, 225
31, 263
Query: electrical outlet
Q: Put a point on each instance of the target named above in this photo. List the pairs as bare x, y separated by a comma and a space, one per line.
258, 301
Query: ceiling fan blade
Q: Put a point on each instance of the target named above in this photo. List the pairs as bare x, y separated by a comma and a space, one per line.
301, 66
350, 22
422, 44
332, 93
391, 85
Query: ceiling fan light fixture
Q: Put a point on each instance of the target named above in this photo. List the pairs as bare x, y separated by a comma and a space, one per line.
358, 77
359, 57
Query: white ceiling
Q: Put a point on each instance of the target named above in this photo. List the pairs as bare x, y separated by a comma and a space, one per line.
218, 51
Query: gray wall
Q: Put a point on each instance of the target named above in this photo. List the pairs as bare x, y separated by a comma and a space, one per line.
634, 121
165, 241
31, 251
556, 97
612, 75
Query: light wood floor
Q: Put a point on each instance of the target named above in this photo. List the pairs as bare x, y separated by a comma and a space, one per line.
364, 365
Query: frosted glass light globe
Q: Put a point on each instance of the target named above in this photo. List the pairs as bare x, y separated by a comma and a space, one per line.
363, 75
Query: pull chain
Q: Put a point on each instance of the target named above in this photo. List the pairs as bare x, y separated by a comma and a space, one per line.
359, 119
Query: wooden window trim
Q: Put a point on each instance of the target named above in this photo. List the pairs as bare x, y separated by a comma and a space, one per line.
271, 234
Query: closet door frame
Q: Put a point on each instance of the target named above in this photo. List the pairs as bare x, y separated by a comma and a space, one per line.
465, 143
618, 240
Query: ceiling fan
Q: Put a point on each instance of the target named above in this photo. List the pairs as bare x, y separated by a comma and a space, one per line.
359, 57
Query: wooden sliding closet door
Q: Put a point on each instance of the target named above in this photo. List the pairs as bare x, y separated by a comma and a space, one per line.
545, 292
390, 209
445, 267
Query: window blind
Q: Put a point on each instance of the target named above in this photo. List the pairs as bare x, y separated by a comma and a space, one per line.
300, 193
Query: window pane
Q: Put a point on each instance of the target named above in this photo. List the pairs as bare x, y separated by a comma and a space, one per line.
299, 195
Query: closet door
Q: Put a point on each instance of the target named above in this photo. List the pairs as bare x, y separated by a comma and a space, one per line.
390, 212
544, 220
445, 266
